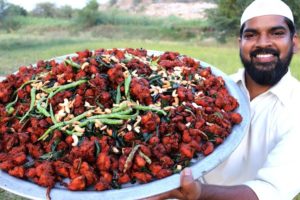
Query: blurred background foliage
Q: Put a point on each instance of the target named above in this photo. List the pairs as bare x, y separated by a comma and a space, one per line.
221, 23
225, 19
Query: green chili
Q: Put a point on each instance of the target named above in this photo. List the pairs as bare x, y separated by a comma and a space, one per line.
72, 63
112, 115
115, 116
60, 124
10, 110
32, 96
9, 107
127, 87
48, 90
52, 115
72, 132
65, 87
154, 62
148, 108
41, 109
124, 105
128, 57
104, 121
24, 84
118, 97
86, 122
49, 130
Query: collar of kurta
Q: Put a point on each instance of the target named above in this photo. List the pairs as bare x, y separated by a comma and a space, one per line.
280, 90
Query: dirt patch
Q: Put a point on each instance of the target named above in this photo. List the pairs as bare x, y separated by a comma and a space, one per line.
193, 10
183, 10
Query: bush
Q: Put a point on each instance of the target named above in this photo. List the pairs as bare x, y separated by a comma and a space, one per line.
225, 19
10, 24
8, 11
89, 15
66, 12
44, 10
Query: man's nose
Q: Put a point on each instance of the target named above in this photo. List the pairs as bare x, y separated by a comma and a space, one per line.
263, 41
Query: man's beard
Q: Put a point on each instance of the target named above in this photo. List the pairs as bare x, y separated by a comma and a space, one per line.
267, 73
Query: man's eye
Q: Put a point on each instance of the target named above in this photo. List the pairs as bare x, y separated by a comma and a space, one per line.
279, 33
249, 35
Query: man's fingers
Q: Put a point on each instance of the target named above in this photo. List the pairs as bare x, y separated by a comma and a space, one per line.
171, 194
158, 197
190, 189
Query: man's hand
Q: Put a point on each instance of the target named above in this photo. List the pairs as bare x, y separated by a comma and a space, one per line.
189, 190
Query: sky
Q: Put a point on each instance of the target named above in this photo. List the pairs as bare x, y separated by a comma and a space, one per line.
30, 4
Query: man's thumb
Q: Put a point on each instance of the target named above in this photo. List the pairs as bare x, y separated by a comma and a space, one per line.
190, 188
186, 177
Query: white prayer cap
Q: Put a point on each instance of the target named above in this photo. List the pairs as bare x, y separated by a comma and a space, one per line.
266, 7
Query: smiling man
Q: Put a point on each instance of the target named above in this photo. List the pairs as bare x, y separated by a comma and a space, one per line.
267, 44
266, 164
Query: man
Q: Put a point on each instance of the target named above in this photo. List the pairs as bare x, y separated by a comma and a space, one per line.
266, 165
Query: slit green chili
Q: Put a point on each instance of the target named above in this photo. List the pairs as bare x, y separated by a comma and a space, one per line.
65, 87
9, 106
148, 108
118, 97
72, 63
41, 109
32, 96
104, 121
127, 87
60, 124
111, 115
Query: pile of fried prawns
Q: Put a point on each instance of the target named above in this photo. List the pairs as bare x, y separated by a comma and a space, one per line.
100, 119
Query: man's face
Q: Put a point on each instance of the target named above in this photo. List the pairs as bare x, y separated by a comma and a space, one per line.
266, 49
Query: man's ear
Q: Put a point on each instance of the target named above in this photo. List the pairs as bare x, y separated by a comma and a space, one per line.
239, 41
296, 43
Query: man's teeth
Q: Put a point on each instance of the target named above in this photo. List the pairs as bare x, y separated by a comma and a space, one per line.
264, 55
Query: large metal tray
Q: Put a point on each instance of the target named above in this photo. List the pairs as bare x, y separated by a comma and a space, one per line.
199, 167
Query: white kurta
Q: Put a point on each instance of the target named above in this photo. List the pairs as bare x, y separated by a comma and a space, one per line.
268, 158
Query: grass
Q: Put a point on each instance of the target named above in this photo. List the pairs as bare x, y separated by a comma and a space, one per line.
9, 196
16, 50
25, 51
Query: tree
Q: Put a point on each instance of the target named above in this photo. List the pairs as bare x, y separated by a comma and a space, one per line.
15, 10
89, 15
46, 9
8, 12
225, 19
65, 12
10, 9
3, 8
295, 6
112, 2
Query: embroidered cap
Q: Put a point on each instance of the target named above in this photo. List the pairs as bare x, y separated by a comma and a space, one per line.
266, 7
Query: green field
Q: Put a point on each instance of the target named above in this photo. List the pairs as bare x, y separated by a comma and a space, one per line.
18, 50
41, 39
45, 38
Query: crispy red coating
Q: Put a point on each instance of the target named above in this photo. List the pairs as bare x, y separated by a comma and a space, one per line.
140, 89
